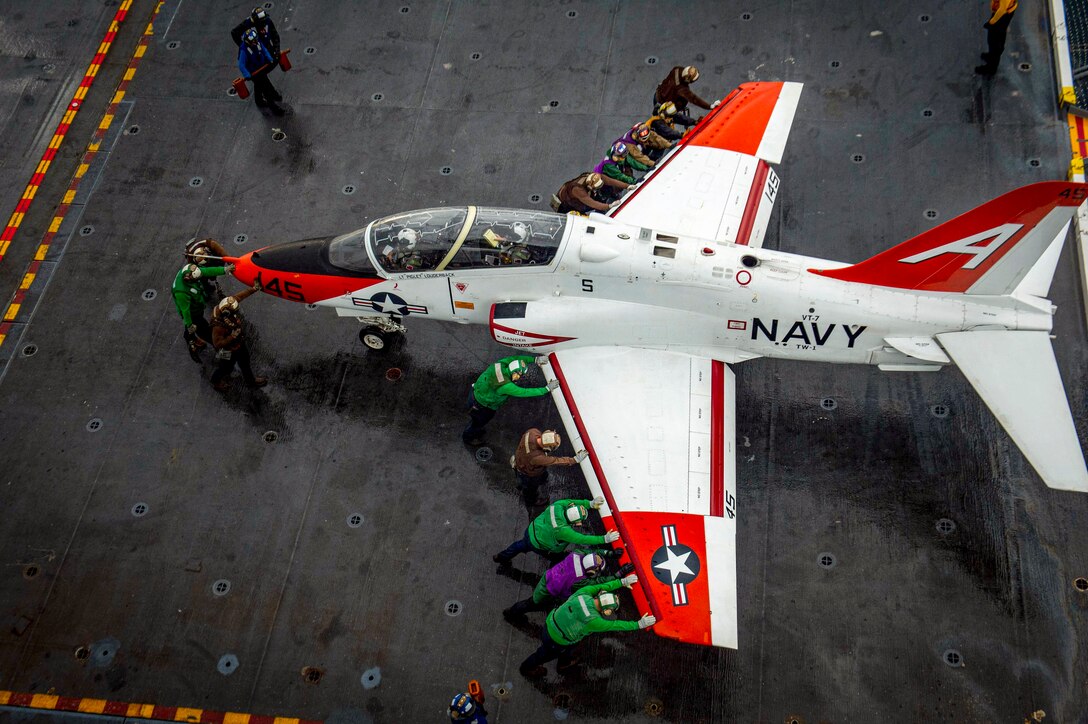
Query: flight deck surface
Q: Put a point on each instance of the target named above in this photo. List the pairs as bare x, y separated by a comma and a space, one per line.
321, 548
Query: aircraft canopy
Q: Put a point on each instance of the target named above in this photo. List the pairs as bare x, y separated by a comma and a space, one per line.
453, 238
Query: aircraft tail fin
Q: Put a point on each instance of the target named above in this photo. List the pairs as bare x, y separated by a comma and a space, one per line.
1016, 375
1008, 245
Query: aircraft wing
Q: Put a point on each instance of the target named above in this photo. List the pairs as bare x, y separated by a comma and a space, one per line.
716, 183
660, 430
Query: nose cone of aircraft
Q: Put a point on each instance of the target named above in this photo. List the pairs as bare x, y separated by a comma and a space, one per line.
245, 270
301, 271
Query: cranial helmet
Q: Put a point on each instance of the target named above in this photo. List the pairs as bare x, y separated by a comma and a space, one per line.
668, 108
197, 251
250, 35
517, 254
258, 14
576, 514
641, 133
592, 565
618, 150
550, 440
594, 180
690, 74
462, 707
228, 306
521, 230
192, 271
517, 368
608, 601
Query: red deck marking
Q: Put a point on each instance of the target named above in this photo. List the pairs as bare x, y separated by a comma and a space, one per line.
115, 707
10, 314
62, 128
717, 439
137, 711
644, 573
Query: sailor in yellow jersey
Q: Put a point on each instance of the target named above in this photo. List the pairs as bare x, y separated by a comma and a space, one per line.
997, 26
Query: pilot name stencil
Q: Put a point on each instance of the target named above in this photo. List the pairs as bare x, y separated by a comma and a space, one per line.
799, 332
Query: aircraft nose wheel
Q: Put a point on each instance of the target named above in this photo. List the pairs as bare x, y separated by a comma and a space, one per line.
375, 338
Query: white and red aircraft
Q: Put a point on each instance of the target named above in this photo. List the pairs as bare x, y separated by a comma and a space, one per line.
638, 314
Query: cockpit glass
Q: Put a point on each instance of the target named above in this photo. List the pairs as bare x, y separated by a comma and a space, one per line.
348, 251
453, 238
509, 238
417, 240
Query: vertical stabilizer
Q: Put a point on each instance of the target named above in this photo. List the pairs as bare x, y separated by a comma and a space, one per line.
1007, 245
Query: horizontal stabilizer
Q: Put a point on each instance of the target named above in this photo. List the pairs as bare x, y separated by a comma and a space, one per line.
1016, 375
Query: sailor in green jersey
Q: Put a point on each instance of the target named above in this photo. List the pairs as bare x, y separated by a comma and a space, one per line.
192, 291
495, 386
577, 570
556, 528
589, 610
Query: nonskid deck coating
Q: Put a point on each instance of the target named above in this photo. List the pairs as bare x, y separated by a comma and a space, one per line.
892, 124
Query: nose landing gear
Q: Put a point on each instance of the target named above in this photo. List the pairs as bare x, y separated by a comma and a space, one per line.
380, 333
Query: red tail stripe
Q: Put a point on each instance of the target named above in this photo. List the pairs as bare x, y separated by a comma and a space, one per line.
640, 568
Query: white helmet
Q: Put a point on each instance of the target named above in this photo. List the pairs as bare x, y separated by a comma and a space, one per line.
521, 231
229, 305
576, 514
592, 565
608, 601
408, 236
550, 440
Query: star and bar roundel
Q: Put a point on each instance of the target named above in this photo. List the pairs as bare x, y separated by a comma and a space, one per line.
389, 303
675, 564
